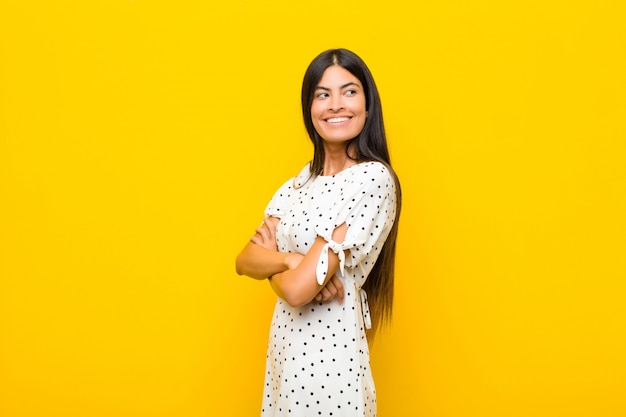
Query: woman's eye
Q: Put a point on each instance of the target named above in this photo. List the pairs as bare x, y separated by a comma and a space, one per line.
350, 92
321, 95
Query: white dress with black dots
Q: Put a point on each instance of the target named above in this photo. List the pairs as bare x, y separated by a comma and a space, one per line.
318, 359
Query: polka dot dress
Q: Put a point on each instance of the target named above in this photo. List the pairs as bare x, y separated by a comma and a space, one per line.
318, 359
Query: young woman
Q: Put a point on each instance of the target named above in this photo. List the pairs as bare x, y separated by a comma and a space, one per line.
327, 248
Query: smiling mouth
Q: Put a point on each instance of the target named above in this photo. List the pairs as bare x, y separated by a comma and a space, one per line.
338, 119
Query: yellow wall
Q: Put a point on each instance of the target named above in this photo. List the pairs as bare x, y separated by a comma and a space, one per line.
140, 141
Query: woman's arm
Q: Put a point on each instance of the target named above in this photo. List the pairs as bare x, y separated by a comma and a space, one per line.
299, 286
260, 258
259, 263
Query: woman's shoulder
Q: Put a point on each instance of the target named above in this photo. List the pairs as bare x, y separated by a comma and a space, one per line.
289, 190
373, 170
296, 182
303, 176
373, 166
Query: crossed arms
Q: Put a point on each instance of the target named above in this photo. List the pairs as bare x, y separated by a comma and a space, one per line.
291, 275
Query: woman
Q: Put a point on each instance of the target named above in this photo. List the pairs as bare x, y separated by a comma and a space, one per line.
327, 243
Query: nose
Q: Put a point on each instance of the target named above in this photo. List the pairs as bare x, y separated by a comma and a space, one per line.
336, 104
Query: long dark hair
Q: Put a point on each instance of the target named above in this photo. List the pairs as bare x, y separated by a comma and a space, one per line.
369, 145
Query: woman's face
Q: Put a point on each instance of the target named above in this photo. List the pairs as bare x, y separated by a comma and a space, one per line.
338, 109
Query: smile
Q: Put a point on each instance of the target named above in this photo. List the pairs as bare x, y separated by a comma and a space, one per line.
338, 119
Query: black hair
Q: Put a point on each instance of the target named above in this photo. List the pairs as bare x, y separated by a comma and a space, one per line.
369, 145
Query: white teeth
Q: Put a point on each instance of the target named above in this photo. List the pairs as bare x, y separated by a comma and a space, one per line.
338, 119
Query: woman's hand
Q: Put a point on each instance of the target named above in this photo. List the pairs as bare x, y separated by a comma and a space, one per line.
260, 258
333, 288
265, 235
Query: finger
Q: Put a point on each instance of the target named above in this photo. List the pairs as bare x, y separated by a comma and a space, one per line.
256, 239
263, 232
330, 287
271, 228
339, 286
326, 295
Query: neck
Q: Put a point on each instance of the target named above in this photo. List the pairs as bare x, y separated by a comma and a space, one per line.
336, 159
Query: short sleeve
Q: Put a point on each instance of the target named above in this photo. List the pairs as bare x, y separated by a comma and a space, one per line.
369, 214
367, 204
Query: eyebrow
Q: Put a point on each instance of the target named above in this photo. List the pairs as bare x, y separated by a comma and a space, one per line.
321, 87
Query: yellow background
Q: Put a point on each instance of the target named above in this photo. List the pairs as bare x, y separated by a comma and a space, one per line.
140, 141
